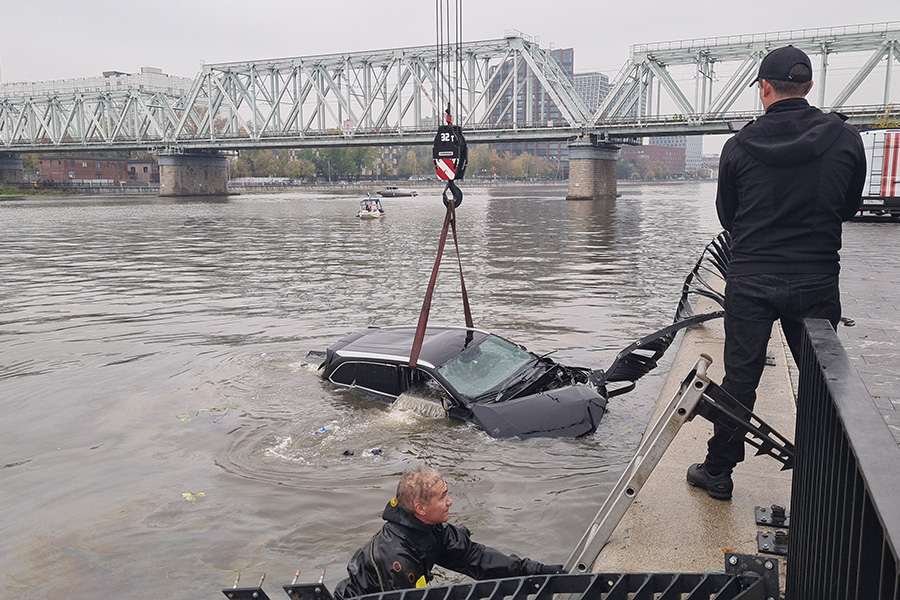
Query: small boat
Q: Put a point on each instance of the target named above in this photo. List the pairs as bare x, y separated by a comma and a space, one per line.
392, 191
370, 208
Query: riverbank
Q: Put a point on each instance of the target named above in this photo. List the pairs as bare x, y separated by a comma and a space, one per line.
432, 187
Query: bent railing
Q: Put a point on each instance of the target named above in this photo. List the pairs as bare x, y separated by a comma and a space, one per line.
845, 501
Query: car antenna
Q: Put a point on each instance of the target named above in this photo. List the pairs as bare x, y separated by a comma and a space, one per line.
450, 157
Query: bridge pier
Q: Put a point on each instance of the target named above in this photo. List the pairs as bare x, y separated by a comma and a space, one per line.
11, 168
592, 169
193, 174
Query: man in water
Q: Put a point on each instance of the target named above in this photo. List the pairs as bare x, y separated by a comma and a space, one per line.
786, 183
417, 536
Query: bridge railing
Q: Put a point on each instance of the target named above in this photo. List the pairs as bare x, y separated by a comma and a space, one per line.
845, 501
769, 37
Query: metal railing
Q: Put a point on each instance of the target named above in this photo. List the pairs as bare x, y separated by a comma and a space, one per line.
595, 586
845, 502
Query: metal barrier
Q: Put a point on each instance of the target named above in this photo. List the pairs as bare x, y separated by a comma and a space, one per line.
745, 578
597, 586
845, 502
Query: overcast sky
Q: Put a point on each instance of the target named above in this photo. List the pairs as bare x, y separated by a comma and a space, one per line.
58, 39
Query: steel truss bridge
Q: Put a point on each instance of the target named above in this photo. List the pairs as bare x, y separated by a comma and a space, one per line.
503, 90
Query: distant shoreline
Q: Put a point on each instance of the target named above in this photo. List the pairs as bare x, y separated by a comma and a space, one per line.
371, 187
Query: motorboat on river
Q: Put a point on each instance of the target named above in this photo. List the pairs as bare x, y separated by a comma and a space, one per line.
370, 208
392, 191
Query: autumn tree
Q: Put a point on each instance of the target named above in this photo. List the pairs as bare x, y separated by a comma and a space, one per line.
527, 166
624, 169
480, 157
30, 163
256, 163
643, 167
359, 158
300, 168
500, 164
415, 161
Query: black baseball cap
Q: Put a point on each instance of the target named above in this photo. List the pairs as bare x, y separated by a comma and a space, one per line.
778, 63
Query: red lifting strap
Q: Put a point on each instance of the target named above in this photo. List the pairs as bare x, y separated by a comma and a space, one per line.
449, 221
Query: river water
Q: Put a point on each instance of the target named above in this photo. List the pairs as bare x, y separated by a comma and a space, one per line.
159, 419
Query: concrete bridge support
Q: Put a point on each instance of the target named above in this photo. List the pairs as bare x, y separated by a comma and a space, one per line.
592, 169
11, 169
193, 175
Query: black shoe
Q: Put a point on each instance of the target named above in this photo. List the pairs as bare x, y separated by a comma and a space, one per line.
717, 486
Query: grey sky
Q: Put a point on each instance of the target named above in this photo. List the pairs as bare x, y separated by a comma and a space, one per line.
55, 39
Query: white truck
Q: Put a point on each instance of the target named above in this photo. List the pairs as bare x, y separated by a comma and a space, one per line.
881, 194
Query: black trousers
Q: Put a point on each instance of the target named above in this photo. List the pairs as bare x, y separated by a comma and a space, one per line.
752, 304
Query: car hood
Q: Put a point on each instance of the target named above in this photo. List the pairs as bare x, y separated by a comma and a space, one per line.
570, 411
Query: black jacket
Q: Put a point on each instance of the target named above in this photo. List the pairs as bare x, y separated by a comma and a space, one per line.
406, 549
786, 183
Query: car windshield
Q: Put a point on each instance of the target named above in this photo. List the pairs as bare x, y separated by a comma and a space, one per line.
483, 367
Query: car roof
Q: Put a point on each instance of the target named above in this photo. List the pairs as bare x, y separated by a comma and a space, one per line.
439, 345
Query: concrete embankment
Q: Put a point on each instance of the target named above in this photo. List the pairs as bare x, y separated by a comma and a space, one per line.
673, 527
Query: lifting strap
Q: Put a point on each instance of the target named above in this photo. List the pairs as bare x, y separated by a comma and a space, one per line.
449, 223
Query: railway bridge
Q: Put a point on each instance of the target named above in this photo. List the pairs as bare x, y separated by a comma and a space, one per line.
501, 90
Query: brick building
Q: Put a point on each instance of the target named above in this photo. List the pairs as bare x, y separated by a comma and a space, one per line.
80, 168
143, 170
693, 149
671, 159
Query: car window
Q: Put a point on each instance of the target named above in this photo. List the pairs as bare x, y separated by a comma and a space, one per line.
485, 366
371, 376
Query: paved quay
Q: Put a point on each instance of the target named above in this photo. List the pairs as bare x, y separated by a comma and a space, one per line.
673, 527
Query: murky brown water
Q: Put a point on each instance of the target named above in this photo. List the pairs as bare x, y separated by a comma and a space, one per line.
158, 418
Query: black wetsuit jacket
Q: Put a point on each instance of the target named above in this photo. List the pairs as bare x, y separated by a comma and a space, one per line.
786, 183
406, 549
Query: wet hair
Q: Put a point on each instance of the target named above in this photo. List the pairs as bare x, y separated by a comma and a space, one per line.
416, 485
794, 89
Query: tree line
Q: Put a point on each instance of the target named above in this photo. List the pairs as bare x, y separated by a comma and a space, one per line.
349, 164
332, 164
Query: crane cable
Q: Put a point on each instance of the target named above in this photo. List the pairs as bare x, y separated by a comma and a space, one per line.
448, 89
450, 159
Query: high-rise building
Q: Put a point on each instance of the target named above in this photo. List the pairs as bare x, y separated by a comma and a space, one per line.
531, 104
593, 87
537, 109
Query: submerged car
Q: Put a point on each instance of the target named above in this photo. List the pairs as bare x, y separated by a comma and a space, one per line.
472, 375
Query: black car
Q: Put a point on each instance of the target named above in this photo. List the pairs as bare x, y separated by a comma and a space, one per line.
473, 376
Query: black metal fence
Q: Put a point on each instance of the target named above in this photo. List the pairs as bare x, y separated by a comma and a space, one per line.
845, 501
742, 582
